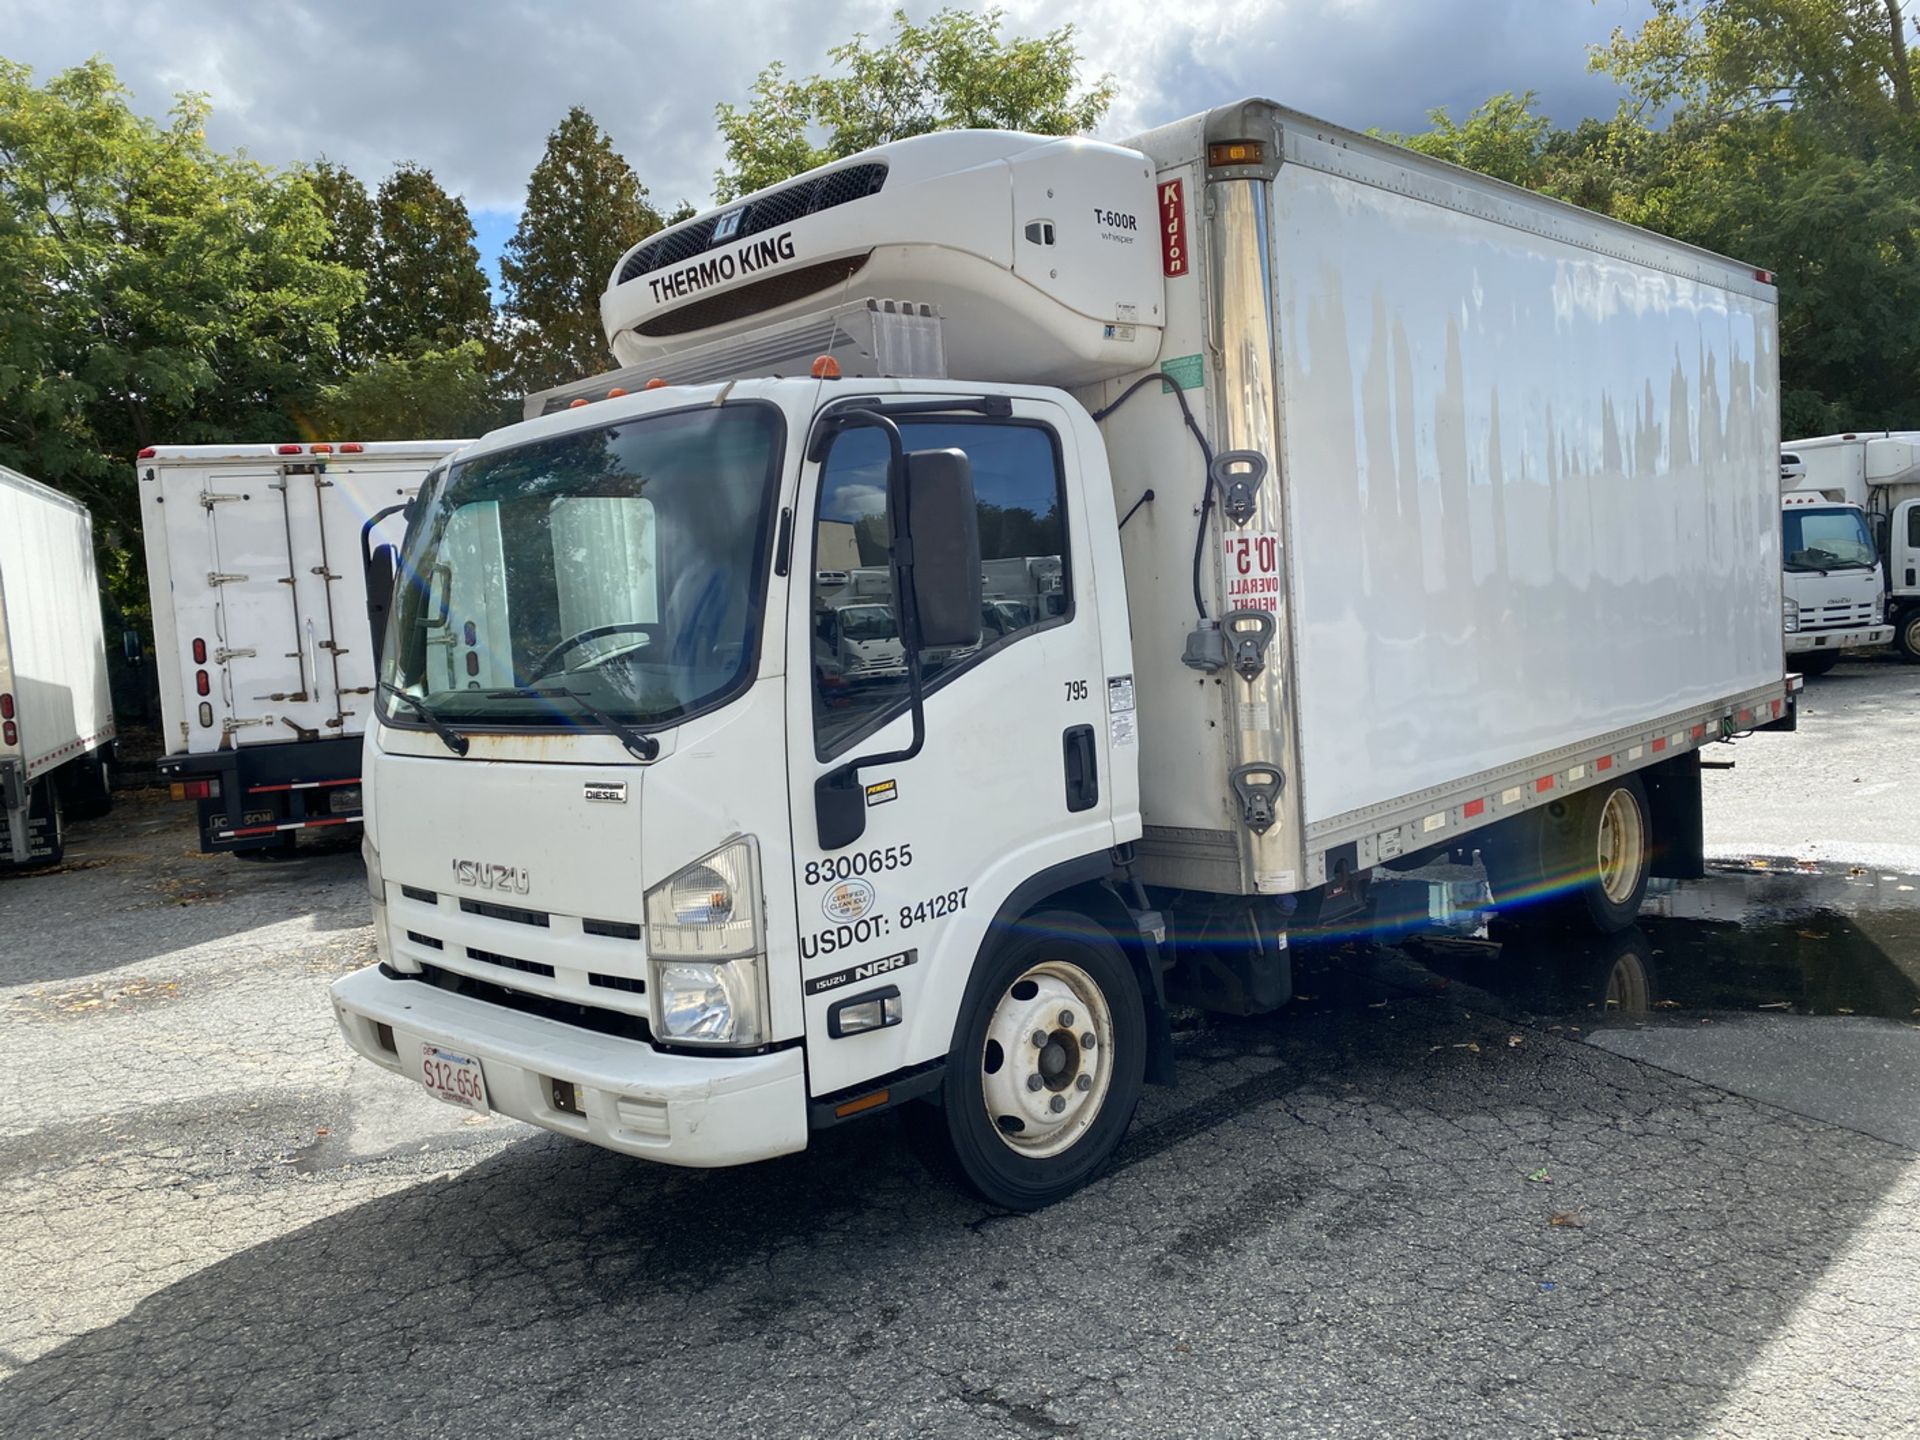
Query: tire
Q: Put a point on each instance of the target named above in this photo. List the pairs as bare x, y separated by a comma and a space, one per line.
1814, 662
1021, 1144
1583, 859
1906, 636
89, 787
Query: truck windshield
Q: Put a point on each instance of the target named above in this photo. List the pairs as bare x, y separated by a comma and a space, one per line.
625, 565
868, 622
1835, 539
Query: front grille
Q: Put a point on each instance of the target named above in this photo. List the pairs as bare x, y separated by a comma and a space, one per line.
510, 962
427, 940
772, 210
425, 897
768, 294
617, 982
612, 929
587, 1017
506, 912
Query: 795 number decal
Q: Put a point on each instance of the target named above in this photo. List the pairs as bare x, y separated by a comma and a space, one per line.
860, 862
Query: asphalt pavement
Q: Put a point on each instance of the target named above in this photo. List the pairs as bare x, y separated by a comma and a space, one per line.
1482, 1181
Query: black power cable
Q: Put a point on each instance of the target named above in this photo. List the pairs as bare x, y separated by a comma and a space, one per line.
1206, 452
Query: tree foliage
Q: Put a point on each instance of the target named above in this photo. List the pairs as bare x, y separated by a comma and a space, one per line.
585, 208
425, 287
156, 288
429, 394
954, 72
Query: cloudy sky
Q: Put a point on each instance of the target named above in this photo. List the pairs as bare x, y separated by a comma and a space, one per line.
471, 89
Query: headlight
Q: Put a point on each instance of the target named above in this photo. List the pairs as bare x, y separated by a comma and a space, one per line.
1879, 606
376, 886
1790, 615
706, 951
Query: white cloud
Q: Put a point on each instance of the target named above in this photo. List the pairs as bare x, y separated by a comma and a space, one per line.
471, 90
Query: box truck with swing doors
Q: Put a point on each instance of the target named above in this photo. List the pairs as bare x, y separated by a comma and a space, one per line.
261, 635
56, 716
1343, 508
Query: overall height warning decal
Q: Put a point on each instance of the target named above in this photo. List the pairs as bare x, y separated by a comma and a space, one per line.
1252, 567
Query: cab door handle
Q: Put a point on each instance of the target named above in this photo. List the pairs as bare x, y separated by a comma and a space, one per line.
1082, 766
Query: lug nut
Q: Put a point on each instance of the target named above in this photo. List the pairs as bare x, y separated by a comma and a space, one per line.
1057, 1104
1039, 1039
1084, 1083
1034, 1082
1066, 1019
1086, 1041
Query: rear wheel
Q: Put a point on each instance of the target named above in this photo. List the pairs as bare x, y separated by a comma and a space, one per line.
1583, 858
1047, 1062
1906, 636
89, 784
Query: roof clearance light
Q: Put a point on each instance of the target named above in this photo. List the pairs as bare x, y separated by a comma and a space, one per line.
1236, 152
576, 404
321, 449
656, 383
826, 368
286, 450
1765, 277
616, 392
352, 447
148, 453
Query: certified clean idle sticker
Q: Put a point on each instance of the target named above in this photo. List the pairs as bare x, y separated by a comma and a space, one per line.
848, 900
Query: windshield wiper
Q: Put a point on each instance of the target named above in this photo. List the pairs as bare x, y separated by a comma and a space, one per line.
453, 739
638, 744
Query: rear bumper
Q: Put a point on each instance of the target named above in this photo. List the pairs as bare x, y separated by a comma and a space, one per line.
677, 1109
1799, 642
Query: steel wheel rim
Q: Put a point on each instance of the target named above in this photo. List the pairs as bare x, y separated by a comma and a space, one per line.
1622, 840
1038, 1033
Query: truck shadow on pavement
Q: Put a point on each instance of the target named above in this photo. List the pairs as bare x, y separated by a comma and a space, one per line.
1383, 1211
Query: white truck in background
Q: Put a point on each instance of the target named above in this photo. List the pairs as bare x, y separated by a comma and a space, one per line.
1851, 546
260, 625
56, 716
1332, 529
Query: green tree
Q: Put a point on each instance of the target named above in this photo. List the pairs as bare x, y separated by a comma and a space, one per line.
585, 208
954, 72
445, 394
155, 288
425, 287
351, 231
1502, 137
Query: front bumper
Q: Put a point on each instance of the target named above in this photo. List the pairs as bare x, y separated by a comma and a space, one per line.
1799, 642
677, 1109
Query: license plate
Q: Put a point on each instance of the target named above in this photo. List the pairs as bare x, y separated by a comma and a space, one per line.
454, 1078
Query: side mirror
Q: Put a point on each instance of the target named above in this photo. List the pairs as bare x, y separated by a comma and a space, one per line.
383, 573
944, 524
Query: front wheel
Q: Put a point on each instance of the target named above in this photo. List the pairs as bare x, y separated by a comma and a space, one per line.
1047, 1062
1814, 662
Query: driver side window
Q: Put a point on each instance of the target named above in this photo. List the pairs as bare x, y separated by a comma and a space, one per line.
859, 658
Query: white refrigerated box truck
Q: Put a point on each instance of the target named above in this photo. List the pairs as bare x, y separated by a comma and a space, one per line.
1364, 511
1852, 544
56, 716
260, 626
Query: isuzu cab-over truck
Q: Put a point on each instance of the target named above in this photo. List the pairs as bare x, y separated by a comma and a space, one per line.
1851, 544
260, 626
56, 715
1262, 504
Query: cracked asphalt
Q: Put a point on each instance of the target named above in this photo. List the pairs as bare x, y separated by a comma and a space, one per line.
1418, 1202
